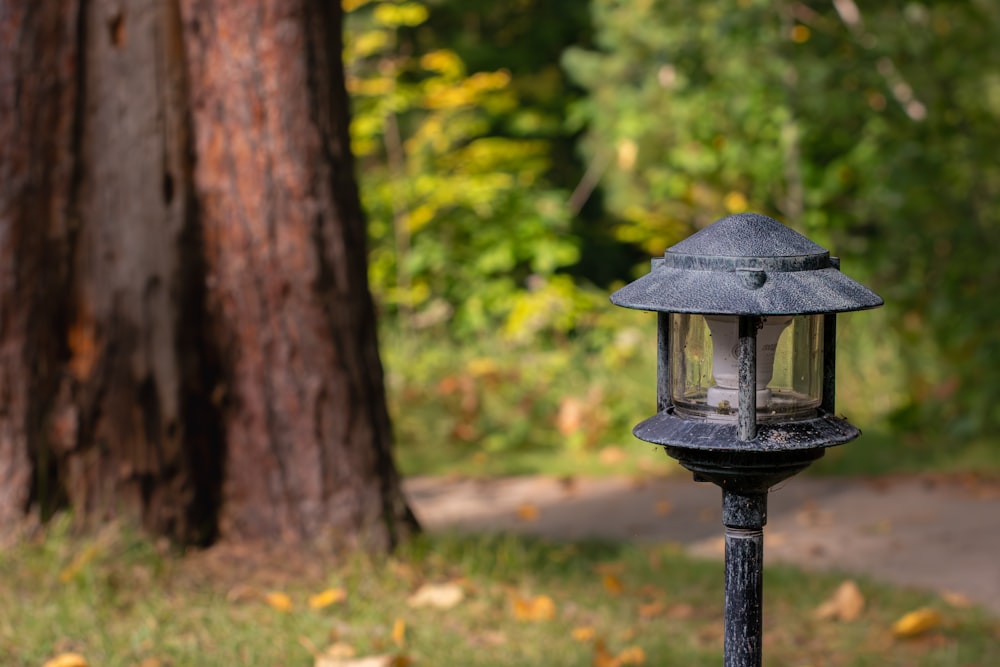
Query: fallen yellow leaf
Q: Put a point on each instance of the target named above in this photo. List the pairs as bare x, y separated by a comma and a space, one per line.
279, 601
67, 660
846, 604
538, 608
399, 633
527, 512
584, 633
916, 623
664, 507
438, 596
602, 657
326, 598
612, 584
633, 655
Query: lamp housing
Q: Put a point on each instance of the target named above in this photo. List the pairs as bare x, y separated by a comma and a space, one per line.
747, 339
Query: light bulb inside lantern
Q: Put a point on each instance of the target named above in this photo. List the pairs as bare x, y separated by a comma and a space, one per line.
724, 396
704, 366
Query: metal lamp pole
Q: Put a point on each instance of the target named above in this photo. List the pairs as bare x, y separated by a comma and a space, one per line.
727, 421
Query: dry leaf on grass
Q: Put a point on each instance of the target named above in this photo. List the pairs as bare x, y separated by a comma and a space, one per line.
339, 651
399, 633
388, 660
633, 655
438, 596
846, 604
538, 608
603, 657
326, 598
279, 601
67, 660
584, 633
612, 584
916, 623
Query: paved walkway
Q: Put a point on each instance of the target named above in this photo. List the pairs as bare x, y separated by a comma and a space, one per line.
940, 534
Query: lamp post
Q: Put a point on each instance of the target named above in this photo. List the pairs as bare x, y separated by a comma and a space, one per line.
746, 373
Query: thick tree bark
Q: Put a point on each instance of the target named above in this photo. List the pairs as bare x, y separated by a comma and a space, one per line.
185, 326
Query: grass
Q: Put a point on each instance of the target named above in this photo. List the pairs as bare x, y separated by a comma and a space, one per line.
119, 600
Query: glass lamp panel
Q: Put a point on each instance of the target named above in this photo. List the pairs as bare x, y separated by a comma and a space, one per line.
704, 366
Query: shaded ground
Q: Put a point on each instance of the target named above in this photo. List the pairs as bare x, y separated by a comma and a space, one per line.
936, 533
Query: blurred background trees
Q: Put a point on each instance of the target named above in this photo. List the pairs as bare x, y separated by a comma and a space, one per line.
520, 159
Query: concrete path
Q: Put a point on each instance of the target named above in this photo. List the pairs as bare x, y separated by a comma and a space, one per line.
940, 534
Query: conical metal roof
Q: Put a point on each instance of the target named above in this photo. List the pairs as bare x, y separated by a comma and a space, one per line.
746, 264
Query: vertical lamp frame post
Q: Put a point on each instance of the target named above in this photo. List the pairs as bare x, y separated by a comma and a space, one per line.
745, 267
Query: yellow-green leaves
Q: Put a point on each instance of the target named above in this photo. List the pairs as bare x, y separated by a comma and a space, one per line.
407, 14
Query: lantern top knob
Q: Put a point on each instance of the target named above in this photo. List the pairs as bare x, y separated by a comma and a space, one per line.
746, 264
747, 235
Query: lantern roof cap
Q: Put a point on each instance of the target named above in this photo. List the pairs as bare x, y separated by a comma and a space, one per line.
746, 264
747, 235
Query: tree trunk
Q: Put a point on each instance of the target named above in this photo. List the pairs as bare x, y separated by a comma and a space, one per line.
186, 332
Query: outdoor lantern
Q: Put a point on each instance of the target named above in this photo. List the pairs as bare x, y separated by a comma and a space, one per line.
746, 378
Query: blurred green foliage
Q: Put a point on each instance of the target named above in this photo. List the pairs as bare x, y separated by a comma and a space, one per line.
873, 130
518, 159
461, 216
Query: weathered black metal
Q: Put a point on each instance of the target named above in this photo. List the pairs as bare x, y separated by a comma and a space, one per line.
747, 364
746, 264
829, 403
750, 266
744, 516
668, 428
662, 354
662, 357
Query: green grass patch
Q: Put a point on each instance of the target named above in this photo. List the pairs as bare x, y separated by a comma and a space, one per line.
119, 600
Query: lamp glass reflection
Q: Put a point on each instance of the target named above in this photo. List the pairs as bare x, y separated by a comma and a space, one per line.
704, 366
